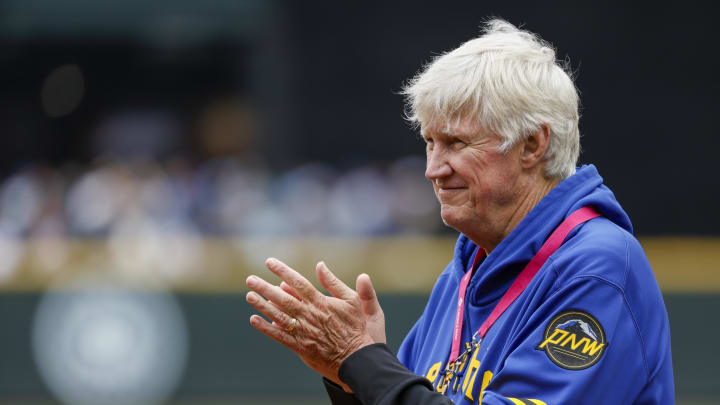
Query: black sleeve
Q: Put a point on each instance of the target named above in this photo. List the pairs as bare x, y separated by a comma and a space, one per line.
378, 378
338, 396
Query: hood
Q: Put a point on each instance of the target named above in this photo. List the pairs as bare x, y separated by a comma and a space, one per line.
584, 188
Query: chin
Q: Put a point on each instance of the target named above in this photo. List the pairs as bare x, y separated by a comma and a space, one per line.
450, 217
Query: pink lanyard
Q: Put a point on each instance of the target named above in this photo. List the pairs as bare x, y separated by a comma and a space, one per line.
521, 282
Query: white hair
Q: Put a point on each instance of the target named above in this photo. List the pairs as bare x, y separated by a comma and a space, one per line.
510, 81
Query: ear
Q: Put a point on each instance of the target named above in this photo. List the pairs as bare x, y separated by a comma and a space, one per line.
535, 147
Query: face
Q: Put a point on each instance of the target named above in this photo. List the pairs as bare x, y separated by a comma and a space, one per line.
477, 184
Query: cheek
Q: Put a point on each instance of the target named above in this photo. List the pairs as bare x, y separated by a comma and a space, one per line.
503, 186
490, 187
481, 186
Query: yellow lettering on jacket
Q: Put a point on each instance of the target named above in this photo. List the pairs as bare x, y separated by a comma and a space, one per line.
552, 339
433, 372
472, 371
592, 346
487, 376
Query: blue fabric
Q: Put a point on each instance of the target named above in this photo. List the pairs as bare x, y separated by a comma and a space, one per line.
600, 270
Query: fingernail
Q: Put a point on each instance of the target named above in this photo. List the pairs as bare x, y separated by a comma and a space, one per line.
251, 281
250, 297
254, 320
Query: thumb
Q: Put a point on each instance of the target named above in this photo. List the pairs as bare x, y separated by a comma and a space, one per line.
368, 298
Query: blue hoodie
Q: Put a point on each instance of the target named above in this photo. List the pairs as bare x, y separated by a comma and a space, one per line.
591, 327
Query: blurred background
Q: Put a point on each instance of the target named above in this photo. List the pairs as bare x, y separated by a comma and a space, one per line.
153, 154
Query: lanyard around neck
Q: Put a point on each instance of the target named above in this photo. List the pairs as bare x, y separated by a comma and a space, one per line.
552, 244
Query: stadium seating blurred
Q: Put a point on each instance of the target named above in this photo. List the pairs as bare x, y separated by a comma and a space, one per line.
153, 154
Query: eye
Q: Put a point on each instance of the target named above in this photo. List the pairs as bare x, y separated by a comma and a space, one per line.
429, 143
458, 144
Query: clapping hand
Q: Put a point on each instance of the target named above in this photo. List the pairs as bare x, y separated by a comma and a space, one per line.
323, 330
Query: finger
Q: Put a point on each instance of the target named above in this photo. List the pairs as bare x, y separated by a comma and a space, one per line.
308, 329
368, 298
282, 300
279, 317
274, 332
334, 285
304, 289
289, 290
285, 287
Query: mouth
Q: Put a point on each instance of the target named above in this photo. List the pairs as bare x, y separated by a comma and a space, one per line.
449, 191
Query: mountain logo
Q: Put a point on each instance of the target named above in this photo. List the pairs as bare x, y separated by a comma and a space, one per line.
574, 340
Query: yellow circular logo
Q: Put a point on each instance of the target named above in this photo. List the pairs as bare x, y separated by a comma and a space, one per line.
574, 340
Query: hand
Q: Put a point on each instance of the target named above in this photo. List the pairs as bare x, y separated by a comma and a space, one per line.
372, 311
327, 329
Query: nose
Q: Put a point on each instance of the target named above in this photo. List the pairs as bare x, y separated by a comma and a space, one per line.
437, 166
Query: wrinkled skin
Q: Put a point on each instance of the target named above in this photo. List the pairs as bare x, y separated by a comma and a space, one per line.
328, 328
483, 193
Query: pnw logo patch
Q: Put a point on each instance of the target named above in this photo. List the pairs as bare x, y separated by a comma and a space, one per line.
574, 340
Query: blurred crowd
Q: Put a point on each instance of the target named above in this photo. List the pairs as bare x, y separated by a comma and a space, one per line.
166, 208
221, 197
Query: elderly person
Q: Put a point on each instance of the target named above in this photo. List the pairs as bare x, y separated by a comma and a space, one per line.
549, 299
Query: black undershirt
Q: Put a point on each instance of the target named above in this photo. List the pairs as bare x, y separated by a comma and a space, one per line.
377, 377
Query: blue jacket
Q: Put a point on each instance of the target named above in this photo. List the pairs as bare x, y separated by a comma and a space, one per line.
591, 327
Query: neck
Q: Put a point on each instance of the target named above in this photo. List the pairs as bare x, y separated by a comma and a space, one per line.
515, 213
